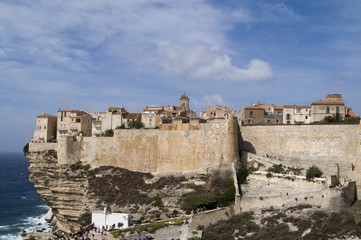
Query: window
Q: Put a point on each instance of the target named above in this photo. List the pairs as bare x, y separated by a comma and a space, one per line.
337, 110
251, 114
277, 121
77, 120
279, 113
306, 117
288, 122
298, 110
327, 109
288, 116
73, 114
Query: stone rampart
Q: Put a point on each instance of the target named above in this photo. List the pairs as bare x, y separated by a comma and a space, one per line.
172, 148
264, 192
41, 147
306, 145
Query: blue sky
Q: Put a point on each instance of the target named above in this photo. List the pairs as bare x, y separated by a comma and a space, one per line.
100, 53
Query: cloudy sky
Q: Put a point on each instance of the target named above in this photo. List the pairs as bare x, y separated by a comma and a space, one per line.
98, 53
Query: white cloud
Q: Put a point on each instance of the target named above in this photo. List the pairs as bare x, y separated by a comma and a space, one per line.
198, 61
65, 34
209, 101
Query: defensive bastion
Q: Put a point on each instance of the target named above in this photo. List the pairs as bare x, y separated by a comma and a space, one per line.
175, 147
334, 148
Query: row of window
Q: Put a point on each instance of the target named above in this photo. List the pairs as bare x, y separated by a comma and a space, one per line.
39, 127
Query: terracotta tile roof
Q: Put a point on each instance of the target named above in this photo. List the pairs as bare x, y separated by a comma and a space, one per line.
78, 112
302, 106
278, 108
132, 116
121, 109
351, 113
329, 101
253, 108
46, 115
288, 106
334, 96
174, 111
296, 106
153, 109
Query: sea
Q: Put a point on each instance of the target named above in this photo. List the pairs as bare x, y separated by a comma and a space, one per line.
21, 207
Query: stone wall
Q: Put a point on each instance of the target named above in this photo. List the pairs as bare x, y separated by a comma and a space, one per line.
41, 147
172, 148
264, 192
204, 219
306, 145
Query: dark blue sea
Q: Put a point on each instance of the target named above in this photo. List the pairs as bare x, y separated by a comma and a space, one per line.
21, 207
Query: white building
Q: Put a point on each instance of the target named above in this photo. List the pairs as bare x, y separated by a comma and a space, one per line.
101, 219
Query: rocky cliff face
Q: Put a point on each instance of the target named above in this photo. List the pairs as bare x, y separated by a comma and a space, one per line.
74, 191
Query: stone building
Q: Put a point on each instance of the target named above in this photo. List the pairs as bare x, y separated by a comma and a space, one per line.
114, 117
151, 116
73, 122
45, 128
184, 105
218, 112
128, 117
262, 113
296, 114
332, 105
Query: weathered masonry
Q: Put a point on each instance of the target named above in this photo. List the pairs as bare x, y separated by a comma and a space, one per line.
173, 147
306, 145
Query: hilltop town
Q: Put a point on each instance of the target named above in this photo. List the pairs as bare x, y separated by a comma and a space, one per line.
171, 174
74, 122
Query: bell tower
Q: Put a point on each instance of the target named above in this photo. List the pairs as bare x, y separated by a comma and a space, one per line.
184, 102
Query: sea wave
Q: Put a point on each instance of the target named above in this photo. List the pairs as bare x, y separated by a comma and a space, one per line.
4, 227
10, 237
43, 207
33, 224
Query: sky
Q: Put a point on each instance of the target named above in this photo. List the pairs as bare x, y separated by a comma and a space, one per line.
93, 54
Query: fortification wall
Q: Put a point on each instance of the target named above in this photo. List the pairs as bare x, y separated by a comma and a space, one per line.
306, 145
264, 192
41, 147
173, 148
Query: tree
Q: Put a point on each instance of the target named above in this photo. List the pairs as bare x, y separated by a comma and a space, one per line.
334, 118
313, 172
26, 148
135, 124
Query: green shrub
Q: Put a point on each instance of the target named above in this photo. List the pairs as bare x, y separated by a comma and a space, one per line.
352, 120
26, 148
313, 172
242, 175
135, 124
121, 126
157, 201
209, 201
334, 118
276, 168
152, 227
108, 133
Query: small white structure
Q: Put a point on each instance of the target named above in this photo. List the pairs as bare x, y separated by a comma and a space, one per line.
101, 219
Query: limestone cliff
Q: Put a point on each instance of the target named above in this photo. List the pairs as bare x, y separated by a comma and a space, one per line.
74, 191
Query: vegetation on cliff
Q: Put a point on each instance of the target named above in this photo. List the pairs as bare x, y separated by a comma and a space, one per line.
219, 191
273, 224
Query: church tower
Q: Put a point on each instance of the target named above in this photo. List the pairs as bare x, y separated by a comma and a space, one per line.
184, 102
